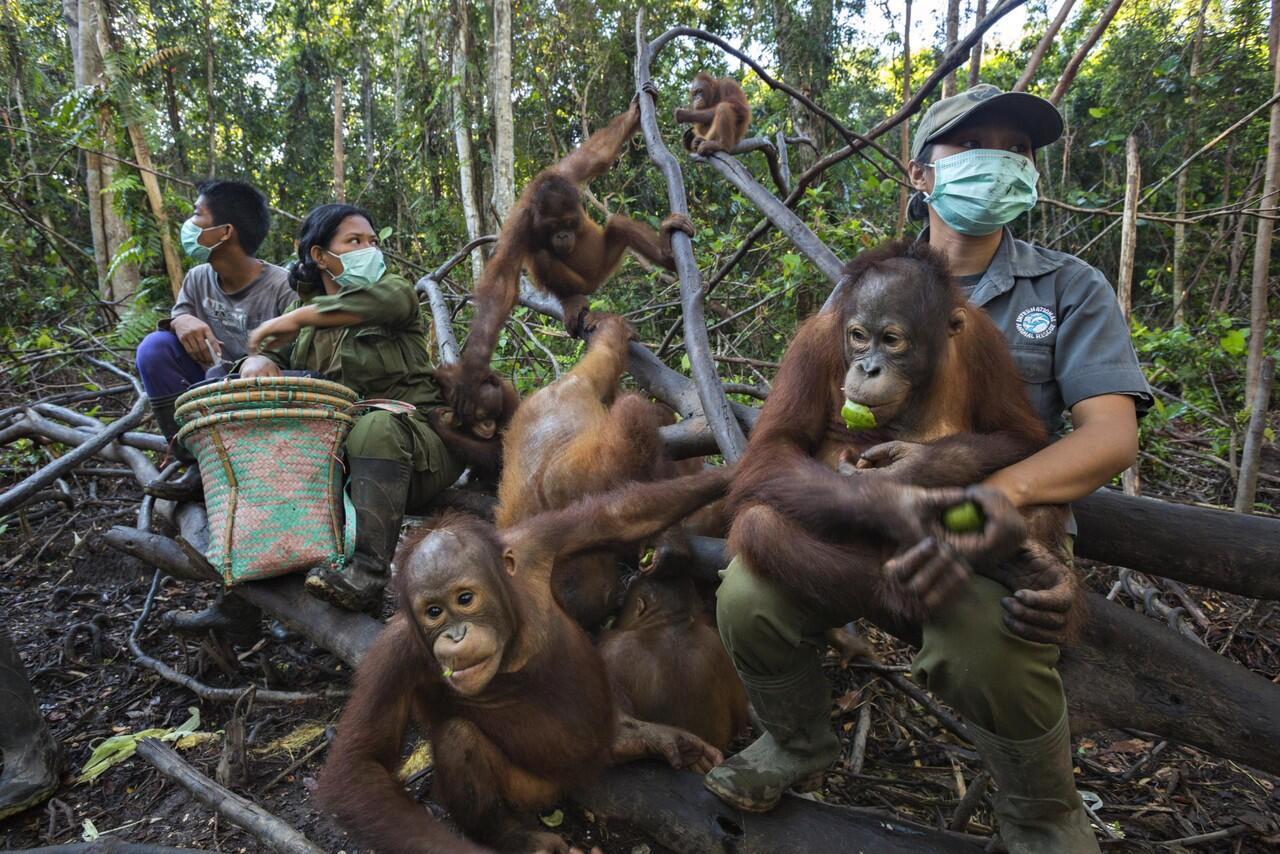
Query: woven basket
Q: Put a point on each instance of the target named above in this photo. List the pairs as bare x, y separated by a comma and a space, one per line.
272, 475
236, 394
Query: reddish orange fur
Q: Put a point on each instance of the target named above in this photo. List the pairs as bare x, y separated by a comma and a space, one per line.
781, 524
667, 663
523, 245
721, 122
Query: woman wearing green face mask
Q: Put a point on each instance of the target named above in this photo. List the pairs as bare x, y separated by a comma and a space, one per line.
359, 325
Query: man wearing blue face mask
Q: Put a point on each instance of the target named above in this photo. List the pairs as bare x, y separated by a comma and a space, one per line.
972, 163
358, 324
225, 295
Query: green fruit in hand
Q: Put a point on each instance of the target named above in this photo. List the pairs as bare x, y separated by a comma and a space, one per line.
963, 518
856, 416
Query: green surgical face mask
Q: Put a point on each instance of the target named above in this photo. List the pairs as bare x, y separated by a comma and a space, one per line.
190, 237
981, 191
360, 267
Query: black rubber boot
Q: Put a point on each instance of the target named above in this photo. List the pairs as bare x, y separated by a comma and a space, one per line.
379, 490
187, 486
230, 616
30, 756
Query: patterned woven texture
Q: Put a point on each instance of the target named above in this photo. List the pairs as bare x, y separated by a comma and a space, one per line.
272, 474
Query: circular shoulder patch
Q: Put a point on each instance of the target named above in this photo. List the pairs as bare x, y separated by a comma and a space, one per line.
1036, 322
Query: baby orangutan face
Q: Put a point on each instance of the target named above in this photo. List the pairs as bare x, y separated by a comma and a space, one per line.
456, 596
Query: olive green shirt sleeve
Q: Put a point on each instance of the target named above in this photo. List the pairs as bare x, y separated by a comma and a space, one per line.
389, 302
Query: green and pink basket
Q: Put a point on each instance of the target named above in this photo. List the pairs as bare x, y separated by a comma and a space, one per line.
270, 454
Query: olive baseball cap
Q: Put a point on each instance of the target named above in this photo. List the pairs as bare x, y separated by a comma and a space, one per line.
1040, 119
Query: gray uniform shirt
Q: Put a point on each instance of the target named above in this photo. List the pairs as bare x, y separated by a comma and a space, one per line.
231, 316
1064, 327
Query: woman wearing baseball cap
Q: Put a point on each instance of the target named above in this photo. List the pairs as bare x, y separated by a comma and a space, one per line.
973, 167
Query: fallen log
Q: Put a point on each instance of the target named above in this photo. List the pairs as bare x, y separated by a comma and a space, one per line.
730, 437
21, 493
1199, 545
110, 845
685, 817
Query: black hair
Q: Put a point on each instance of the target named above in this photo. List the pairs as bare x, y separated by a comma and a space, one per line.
242, 206
317, 230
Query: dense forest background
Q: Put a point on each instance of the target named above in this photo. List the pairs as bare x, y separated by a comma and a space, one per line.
431, 114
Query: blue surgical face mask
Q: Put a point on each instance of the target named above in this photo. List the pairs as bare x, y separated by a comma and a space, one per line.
360, 267
981, 191
190, 237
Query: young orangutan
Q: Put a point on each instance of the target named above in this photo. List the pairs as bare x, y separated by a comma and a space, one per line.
719, 112
509, 689
549, 234
667, 663
936, 375
578, 437
484, 655
479, 445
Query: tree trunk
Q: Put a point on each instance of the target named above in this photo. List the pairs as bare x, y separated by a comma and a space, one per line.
458, 93
975, 56
339, 177
1033, 64
366, 101
209, 126
1251, 456
110, 231
504, 163
904, 133
1235, 258
952, 35
1069, 73
1269, 208
1180, 188
175, 121
141, 153
1128, 248
803, 34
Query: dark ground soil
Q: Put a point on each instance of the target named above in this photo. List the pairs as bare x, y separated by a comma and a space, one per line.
69, 602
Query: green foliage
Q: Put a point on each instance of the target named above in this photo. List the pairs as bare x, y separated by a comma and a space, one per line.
137, 321
245, 88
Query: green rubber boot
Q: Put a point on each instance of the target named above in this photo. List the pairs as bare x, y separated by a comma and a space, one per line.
30, 756
1038, 807
794, 750
379, 490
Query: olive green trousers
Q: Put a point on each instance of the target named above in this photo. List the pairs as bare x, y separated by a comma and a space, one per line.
1000, 682
407, 438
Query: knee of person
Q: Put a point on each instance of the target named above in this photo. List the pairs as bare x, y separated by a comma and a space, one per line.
374, 435
973, 662
157, 347
754, 626
737, 597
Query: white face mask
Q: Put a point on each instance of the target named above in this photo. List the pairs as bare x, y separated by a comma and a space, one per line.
360, 267
981, 191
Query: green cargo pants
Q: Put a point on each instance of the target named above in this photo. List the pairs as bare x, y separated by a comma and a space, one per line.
381, 435
1004, 684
